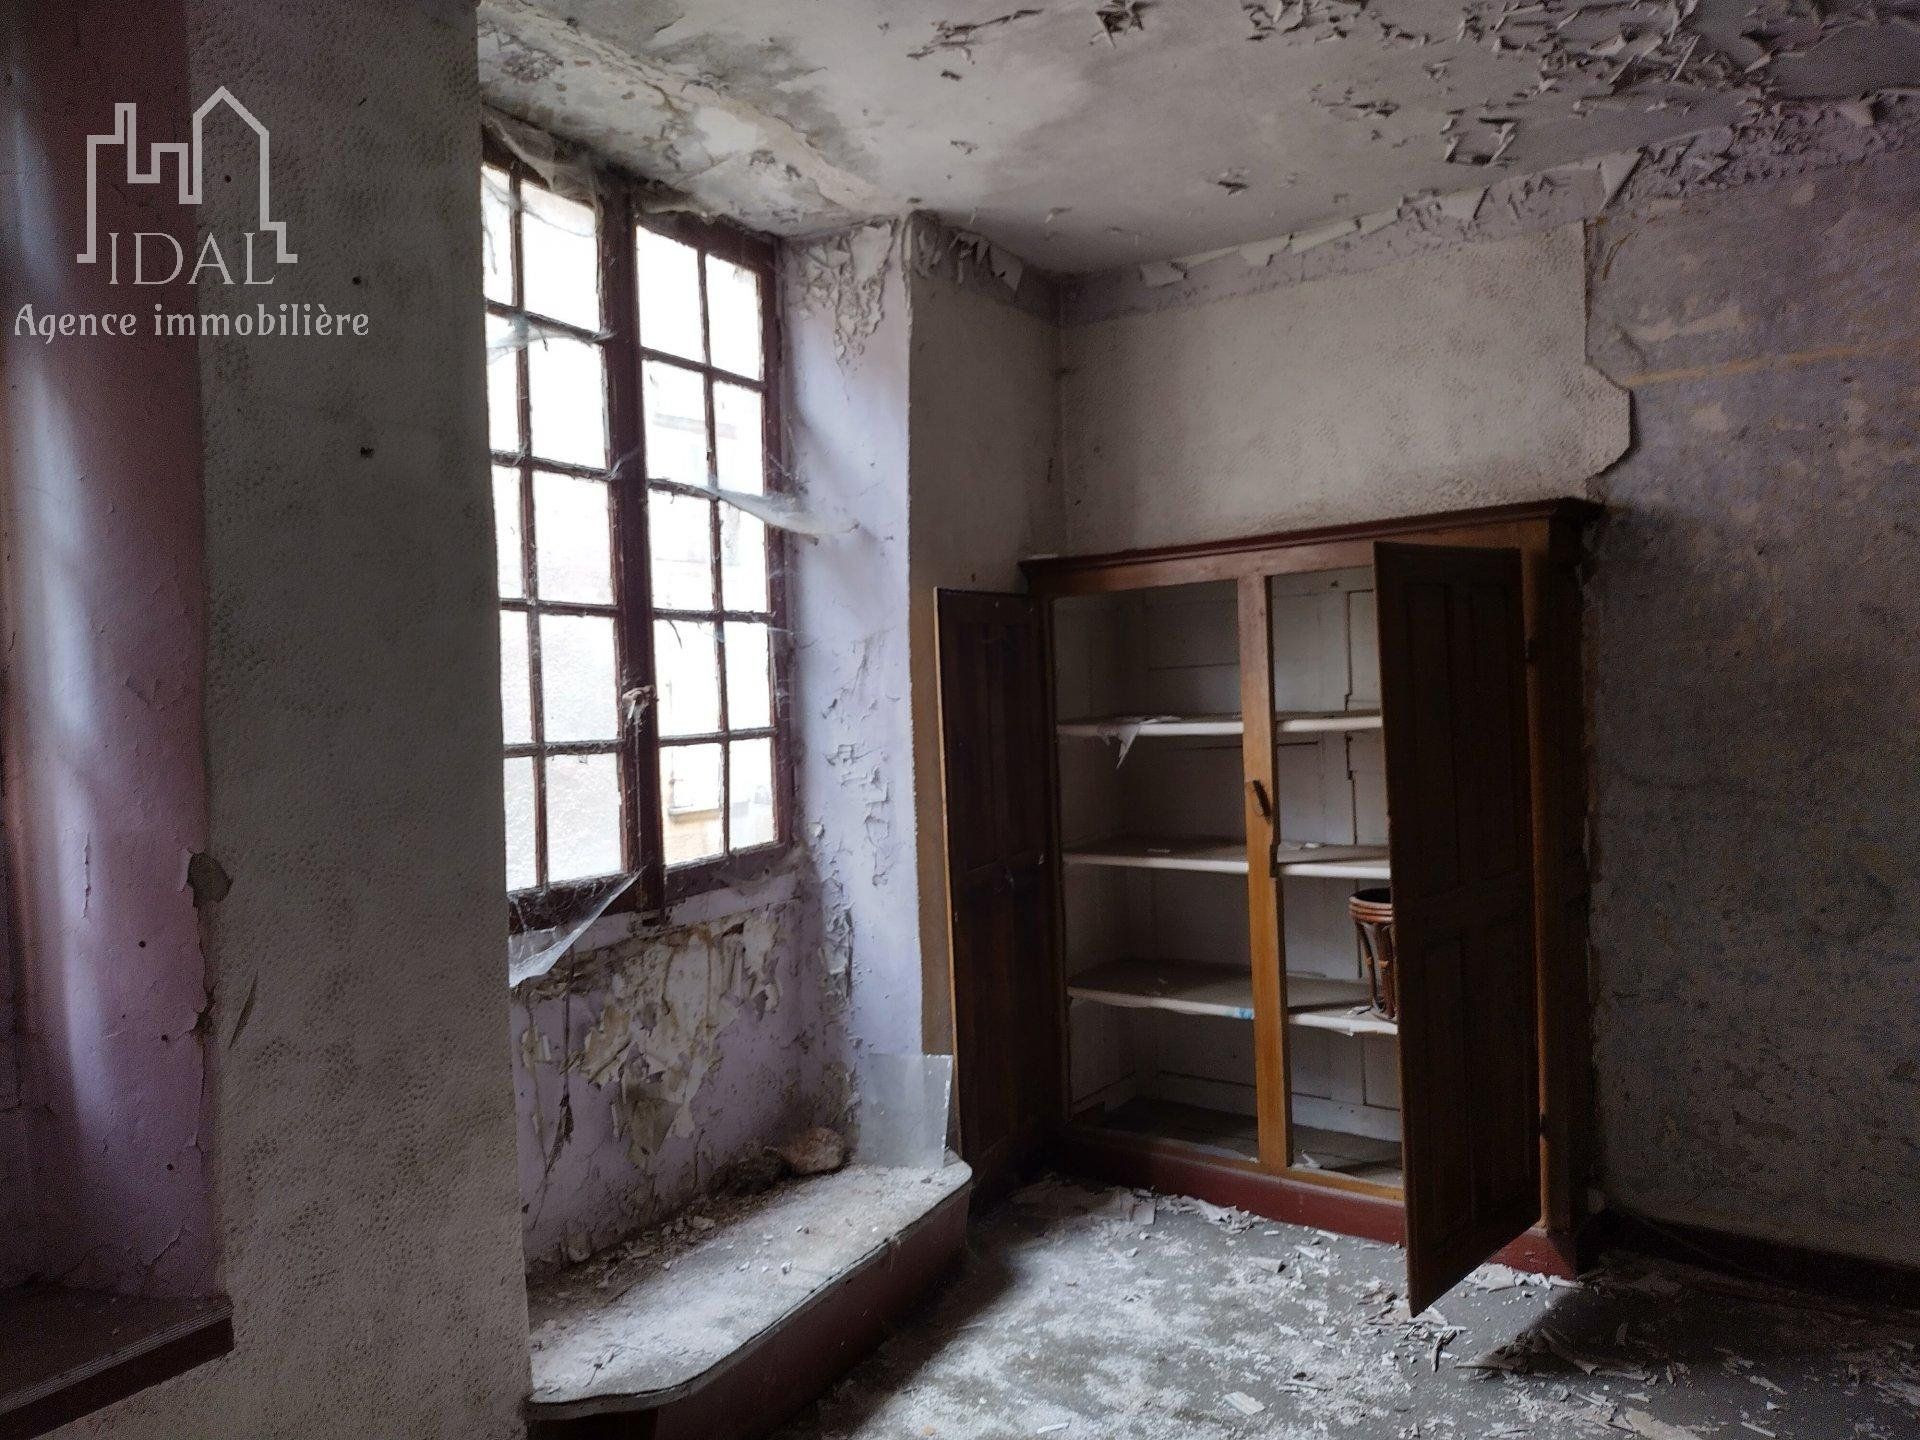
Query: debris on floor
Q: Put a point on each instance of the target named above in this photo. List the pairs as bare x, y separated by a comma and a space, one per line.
1111, 1314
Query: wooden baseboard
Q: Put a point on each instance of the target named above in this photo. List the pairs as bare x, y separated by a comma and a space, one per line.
1168, 1168
1767, 1262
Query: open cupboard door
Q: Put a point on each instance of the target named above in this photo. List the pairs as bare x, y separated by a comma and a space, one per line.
1453, 691
996, 750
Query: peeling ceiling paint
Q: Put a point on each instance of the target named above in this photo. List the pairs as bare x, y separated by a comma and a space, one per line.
1088, 134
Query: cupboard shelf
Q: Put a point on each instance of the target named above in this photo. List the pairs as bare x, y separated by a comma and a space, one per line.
1214, 854
1193, 988
1225, 856
1185, 987
1334, 862
1342, 1020
1288, 722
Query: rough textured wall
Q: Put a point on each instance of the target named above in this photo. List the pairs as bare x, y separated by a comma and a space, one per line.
1755, 672
363, 1109
845, 315
105, 782
984, 402
646, 1068
1450, 381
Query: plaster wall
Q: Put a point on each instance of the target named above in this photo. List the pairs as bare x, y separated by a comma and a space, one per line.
104, 1179
1754, 672
362, 1112
1454, 380
984, 401
844, 302
1749, 631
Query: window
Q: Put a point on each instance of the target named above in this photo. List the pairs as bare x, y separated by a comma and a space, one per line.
628, 371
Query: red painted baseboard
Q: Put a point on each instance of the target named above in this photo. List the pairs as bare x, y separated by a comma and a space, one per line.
1279, 1197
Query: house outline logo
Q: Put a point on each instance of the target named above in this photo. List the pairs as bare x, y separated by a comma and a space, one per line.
189, 158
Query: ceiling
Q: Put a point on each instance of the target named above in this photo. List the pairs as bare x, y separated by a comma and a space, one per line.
1089, 134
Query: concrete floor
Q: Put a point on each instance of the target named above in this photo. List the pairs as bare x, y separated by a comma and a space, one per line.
1100, 1315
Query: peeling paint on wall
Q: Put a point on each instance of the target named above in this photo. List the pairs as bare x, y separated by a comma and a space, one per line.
844, 276
647, 1069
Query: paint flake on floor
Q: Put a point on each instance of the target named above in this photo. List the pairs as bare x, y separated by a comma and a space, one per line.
1077, 1316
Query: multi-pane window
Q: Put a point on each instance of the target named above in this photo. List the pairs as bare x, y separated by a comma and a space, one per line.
639, 597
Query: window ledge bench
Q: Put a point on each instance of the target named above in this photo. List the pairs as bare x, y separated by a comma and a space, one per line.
728, 1336
70, 1352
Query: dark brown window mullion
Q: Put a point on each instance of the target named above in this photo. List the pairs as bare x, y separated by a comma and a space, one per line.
529, 567
779, 549
643, 838
713, 551
719, 628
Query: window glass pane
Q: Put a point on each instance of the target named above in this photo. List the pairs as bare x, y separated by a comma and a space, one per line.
743, 560
750, 793
583, 816
496, 234
520, 871
573, 539
733, 309
690, 802
563, 258
737, 438
669, 296
569, 401
686, 665
749, 677
516, 681
503, 387
676, 424
680, 535
577, 678
506, 532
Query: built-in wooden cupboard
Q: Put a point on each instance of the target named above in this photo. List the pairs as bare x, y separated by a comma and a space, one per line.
1166, 773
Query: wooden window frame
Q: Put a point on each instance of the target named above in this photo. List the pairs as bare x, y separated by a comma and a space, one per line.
620, 213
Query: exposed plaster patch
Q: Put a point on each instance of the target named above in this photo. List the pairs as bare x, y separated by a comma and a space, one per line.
845, 276
655, 1029
971, 261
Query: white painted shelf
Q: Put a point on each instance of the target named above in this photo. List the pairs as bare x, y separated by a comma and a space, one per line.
1341, 1019
1333, 862
1224, 856
1314, 1002
1189, 989
1118, 727
1287, 722
1313, 722
1217, 855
